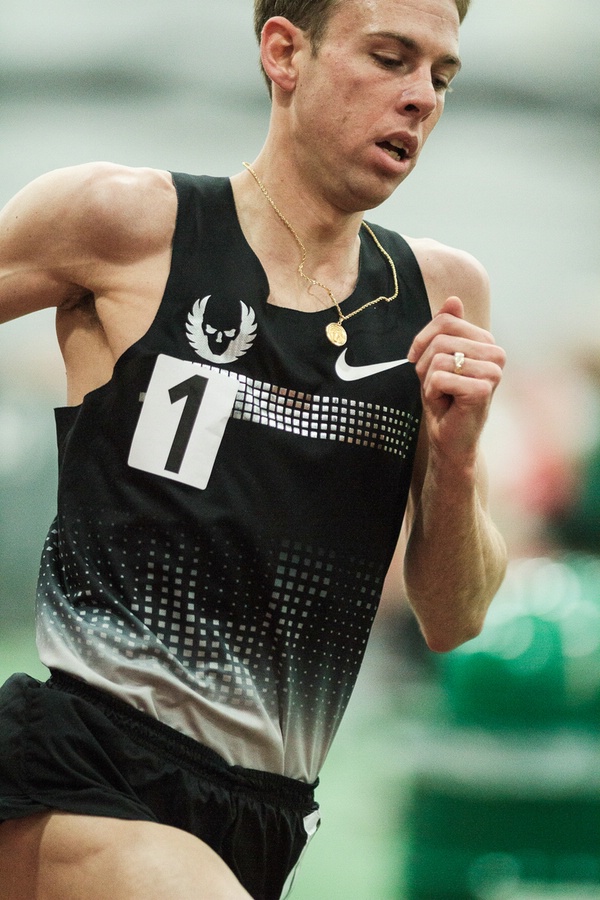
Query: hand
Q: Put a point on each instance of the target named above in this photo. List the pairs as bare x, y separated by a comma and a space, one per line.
455, 406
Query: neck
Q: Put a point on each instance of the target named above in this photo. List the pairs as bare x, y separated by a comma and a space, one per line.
274, 260
323, 229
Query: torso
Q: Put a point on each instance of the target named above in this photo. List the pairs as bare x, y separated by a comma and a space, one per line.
276, 520
125, 293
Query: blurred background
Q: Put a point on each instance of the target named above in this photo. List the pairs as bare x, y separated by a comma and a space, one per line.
473, 776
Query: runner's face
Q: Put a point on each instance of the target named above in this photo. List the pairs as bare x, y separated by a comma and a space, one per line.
365, 104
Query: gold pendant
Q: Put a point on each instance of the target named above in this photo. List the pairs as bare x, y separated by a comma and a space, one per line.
336, 333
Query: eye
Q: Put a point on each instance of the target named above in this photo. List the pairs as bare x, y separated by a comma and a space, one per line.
441, 85
209, 329
388, 62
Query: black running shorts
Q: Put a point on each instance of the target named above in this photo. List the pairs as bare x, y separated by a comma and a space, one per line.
70, 747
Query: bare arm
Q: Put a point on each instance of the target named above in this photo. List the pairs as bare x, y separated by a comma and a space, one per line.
94, 242
455, 558
35, 269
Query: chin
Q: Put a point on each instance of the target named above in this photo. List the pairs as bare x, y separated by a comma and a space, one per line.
371, 194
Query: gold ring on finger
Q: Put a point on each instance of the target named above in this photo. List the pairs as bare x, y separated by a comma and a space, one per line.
459, 361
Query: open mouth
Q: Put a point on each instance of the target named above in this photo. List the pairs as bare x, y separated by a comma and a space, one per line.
398, 153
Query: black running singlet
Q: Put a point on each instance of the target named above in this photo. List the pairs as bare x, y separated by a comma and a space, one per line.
229, 502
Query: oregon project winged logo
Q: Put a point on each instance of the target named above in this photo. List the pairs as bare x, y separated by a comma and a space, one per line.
220, 329
352, 373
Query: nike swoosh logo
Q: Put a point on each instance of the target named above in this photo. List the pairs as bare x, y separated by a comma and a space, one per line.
353, 373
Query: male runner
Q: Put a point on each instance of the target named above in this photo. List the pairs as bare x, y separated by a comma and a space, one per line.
261, 390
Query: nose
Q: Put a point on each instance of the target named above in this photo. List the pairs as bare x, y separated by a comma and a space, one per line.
419, 97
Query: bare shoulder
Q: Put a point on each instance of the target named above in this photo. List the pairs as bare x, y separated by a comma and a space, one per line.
448, 271
68, 234
130, 204
108, 209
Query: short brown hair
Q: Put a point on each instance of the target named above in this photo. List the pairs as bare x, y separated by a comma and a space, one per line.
311, 16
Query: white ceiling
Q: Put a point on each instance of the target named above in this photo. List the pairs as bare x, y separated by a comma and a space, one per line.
544, 48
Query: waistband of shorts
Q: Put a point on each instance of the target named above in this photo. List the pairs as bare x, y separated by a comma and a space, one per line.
184, 750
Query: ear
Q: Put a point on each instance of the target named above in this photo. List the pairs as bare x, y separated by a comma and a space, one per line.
280, 42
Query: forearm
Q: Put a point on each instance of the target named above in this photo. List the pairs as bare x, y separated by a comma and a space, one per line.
455, 557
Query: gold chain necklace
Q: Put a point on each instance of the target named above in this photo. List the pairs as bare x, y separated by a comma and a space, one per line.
335, 330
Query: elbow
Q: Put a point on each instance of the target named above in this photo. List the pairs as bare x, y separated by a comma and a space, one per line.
443, 640
445, 634
462, 617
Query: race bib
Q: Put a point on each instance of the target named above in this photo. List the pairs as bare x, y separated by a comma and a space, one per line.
183, 418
